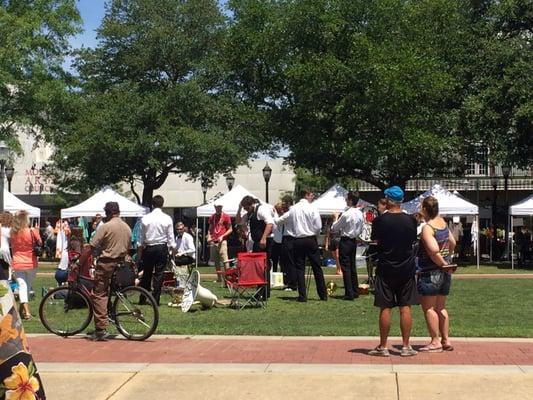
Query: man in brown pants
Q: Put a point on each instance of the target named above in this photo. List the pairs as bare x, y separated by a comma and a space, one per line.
112, 241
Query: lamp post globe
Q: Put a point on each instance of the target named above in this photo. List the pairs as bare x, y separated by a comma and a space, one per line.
10, 172
267, 173
230, 181
205, 185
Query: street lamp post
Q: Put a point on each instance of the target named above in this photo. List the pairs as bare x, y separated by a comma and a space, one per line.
10, 171
205, 186
230, 181
4, 156
267, 173
506, 171
494, 184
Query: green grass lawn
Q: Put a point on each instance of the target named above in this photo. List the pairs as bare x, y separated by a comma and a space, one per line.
478, 308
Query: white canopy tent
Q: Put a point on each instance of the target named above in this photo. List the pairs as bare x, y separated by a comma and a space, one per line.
524, 207
334, 200
449, 204
230, 202
95, 205
13, 204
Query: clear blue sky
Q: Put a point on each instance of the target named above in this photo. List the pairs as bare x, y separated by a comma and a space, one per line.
92, 12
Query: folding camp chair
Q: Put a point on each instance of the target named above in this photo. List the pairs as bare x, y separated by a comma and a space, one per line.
247, 280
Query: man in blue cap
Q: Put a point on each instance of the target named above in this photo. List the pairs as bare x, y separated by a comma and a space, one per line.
395, 286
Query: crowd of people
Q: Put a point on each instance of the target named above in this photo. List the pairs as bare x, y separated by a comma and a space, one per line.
412, 254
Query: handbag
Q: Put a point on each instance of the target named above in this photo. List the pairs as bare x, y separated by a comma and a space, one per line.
37, 249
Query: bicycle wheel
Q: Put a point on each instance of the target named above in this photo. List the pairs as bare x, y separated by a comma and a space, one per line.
65, 311
133, 320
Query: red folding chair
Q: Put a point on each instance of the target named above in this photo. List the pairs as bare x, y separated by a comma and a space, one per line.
247, 281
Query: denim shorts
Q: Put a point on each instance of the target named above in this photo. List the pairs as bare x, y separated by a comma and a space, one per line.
434, 283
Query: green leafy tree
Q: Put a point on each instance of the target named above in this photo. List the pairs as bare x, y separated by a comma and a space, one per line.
33, 44
497, 113
356, 88
152, 102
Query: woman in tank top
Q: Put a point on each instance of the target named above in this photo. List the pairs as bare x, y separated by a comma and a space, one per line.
433, 280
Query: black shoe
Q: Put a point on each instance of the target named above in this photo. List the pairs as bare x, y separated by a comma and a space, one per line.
323, 299
301, 299
349, 298
99, 335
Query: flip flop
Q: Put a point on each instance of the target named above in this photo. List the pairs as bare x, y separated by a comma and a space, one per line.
447, 347
430, 349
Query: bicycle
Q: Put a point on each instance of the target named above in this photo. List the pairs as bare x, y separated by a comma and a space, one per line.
68, 310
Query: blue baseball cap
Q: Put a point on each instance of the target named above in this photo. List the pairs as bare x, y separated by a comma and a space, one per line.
394, 193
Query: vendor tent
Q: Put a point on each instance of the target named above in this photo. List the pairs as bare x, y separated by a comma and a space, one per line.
524, 207
95, 205
230, 202
449, 204
334, 200
14, 204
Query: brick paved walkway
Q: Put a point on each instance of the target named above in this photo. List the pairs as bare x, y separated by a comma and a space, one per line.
250, 350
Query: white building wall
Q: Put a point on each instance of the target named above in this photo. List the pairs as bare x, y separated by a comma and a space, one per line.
179, 193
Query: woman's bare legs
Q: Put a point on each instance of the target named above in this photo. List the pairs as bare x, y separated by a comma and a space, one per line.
444, 320
429, 307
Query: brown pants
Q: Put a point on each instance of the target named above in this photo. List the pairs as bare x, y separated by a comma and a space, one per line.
102, 280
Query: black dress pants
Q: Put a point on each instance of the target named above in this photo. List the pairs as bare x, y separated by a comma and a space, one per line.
307, 247
287, 262
347, 254
154, 260
275, 254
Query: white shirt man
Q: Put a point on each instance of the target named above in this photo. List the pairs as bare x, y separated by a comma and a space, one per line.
349, 226
186, 251
304, 218
350, 223
157, 236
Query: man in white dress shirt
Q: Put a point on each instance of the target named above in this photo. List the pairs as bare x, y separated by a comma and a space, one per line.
157, 236
304, 218
186, 251
349, 227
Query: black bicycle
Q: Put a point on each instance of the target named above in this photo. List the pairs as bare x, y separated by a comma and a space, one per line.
68, 310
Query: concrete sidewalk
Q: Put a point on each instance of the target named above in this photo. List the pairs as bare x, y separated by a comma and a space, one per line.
224, 367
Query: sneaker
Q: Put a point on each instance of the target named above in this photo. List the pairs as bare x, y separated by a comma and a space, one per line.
379, 352
288, 289
99, 335
407, 351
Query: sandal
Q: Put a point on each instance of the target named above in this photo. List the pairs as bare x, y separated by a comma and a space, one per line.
27, 317
407, 351
447, 347
431, 349
379, 352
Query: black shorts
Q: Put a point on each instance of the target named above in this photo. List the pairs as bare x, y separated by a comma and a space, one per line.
389, 293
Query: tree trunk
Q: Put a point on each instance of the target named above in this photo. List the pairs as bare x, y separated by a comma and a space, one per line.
148, 193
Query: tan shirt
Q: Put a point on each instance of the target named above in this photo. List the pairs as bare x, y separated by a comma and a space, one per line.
113, 238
